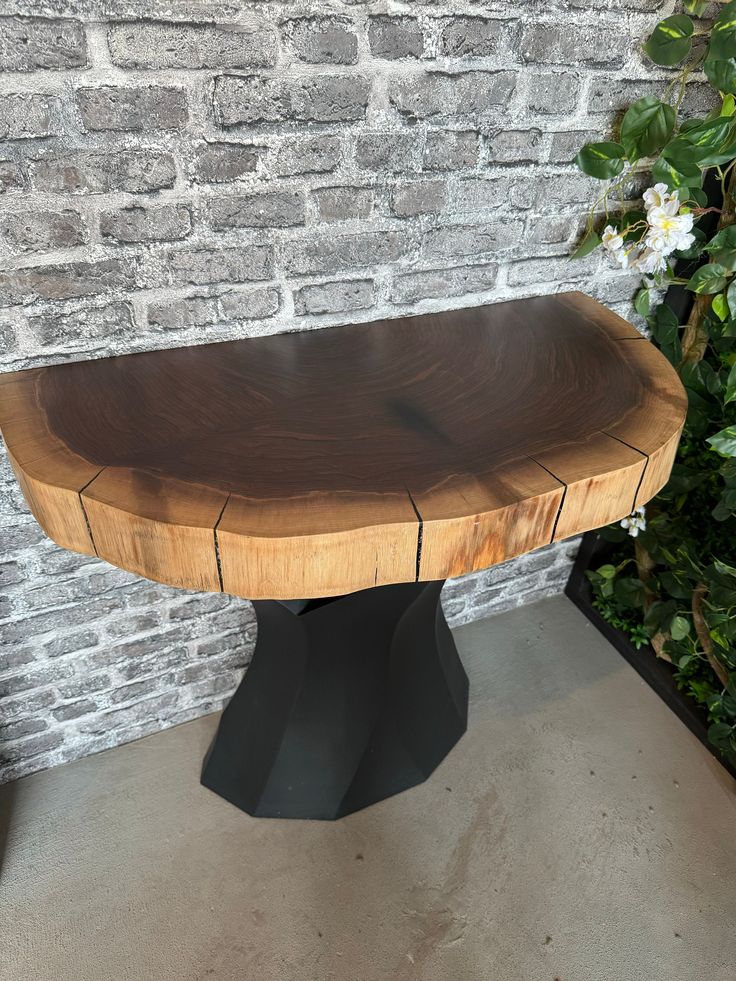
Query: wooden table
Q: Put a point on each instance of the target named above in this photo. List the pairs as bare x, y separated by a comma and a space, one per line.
337, 477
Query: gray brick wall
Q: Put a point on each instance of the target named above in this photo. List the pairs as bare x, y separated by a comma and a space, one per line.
245, 168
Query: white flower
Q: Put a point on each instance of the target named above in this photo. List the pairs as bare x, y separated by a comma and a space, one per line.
650, 261
635, 522
612, 239
622, 258
659, 197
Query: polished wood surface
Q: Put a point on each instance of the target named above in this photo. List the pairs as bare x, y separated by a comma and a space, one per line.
323, 462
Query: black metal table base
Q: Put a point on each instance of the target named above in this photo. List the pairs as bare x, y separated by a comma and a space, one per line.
346, 701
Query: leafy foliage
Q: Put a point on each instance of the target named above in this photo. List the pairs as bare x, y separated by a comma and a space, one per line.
675, 584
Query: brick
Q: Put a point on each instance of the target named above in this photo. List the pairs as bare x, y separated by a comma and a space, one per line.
312, 98
329, 253
149, 709
554, 192
19, 536
108, 323
63, 282
485, 194
473, 37
219, 163
418, 198
166, 222
342, 297
343, 203
8, 340
31, 43
395, 37
27, 116
250, 305
192, 607
26, 749
11, 573
191, 311
27, 703
12, 658
23, 727
161, 45
439, 283
134, 171
271, 209
68, 643
451, 149
11, 178
41, 231
322, 40
86, 685
220, 645
552, 94
394, 151
437, 94
514, 146
237, 265
555, 270
461, 240
132, 109
308, 155
74, 710
552, 230
570, 44
565, 145
615, 94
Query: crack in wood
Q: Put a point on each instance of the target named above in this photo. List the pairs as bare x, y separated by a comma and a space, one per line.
420, 533
217, 544
646, 465
84, 509
562, 499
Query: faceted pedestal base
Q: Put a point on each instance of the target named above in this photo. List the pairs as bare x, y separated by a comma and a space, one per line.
347, 700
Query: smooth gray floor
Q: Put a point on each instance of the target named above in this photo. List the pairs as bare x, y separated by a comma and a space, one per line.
577, 833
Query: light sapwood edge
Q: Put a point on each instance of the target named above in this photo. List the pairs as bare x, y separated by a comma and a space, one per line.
347, 561
58, 511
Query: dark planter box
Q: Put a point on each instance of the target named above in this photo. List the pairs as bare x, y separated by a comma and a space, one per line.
658, 674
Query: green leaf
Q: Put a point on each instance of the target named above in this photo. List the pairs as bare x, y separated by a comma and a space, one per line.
643, 302
722, 248
682, 174
607, 571
720, 734
711, 278
591, 240
723, 34
720, 306
601, 160
706, 144
730, 395
679, 627
731, 296
721, 73
724, 569
646, 127
695, 7
670, 41
724, 442
728, 106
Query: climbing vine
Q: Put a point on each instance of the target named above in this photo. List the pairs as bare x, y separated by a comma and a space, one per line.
672, 578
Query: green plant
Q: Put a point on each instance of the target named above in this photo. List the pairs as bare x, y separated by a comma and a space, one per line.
673, 576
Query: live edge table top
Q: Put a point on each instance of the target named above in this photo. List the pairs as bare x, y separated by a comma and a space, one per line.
324, 462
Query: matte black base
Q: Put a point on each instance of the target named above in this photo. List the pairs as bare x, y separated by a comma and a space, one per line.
347, 701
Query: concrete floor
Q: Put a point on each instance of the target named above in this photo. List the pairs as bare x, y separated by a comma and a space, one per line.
578, 832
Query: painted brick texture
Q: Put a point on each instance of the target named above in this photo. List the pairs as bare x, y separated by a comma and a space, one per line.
247, 168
